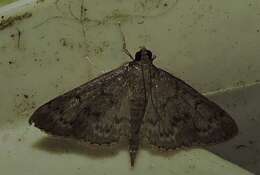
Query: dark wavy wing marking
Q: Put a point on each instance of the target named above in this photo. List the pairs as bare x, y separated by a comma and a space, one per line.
93, 112
179, 116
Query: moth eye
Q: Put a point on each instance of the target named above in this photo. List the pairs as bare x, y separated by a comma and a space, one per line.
149, 53
138, 56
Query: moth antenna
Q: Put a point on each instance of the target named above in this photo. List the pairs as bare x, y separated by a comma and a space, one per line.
125, 50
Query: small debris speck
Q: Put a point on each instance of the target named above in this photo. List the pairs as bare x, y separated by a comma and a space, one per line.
63, 42
240, 146
250, 142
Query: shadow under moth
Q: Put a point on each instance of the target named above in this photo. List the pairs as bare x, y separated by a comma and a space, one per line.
138, 102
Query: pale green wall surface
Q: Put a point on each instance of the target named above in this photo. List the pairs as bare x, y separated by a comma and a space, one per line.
4, 2
212, 45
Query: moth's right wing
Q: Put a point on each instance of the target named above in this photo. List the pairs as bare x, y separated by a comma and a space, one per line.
94, 112
179, 116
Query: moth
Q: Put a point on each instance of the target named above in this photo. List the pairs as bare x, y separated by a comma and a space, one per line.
138, 102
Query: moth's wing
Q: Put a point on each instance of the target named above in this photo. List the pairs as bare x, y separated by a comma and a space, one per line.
179, 116
93, 112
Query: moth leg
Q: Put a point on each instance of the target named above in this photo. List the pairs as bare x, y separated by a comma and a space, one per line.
125, 50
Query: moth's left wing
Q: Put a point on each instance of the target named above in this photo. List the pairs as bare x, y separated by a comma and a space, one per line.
94, 112
179, 116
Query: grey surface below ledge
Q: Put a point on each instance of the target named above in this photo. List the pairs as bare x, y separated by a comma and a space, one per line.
244, 149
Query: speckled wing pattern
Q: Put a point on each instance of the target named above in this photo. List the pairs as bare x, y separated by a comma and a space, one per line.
179, 116
140, 102
93, 112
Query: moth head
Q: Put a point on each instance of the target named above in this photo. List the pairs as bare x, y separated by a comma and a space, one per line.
144, 54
